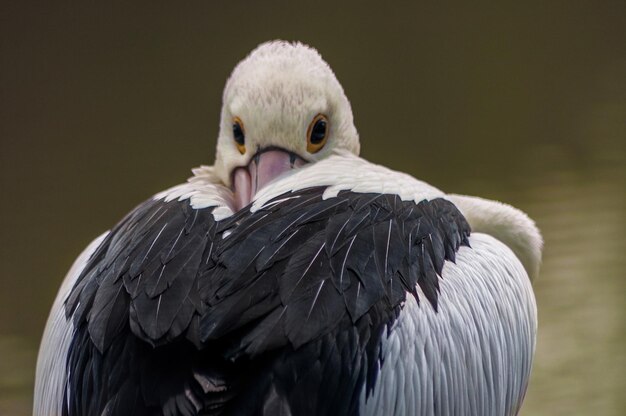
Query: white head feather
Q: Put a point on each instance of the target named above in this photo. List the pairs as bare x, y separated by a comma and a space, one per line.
276, 91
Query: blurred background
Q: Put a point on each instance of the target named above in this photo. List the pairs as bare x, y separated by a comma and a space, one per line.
103, 105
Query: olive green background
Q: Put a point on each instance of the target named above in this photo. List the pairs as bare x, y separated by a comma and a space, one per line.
102, 105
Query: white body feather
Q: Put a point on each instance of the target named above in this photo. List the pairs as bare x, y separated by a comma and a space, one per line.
473, 356
51, 362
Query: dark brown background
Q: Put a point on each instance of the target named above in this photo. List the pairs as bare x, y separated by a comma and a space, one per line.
103, 105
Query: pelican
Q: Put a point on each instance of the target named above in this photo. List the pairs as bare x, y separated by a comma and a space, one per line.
293, 277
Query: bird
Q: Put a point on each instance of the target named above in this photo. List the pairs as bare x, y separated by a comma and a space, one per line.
293, 277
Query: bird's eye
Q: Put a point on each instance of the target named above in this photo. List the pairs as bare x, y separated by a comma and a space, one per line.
239, 135
317, 133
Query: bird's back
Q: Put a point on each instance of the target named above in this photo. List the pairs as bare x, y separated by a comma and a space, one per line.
359, 303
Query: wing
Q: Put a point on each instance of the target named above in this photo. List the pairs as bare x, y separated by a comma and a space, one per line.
306, 286
76, 328
283, 307
133, 308
302, 303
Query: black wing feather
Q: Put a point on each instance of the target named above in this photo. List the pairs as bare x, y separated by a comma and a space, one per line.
280, 310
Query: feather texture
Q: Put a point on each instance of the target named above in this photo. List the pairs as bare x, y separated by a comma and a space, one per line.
333, 292
302, 287
473, 355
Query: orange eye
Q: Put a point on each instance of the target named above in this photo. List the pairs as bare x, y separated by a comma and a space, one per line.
317, 134
239, 134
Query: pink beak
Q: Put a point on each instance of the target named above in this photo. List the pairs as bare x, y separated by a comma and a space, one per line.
264, 167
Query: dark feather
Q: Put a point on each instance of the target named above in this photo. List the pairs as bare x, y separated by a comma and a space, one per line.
280, 311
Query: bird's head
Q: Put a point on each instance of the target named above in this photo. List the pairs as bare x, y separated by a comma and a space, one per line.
282, 108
